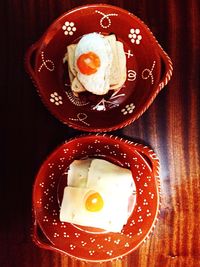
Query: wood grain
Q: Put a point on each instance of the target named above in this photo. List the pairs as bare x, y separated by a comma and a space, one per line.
170, 126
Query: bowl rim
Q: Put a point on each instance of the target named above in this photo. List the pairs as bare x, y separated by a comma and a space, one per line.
164, 58
125, 142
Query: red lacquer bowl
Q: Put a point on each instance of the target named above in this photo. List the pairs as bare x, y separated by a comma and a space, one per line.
148, 69
90, 244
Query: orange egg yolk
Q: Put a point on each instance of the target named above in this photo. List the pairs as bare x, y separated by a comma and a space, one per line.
94, 202
88, 63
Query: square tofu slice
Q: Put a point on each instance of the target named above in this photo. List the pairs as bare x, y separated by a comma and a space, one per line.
78, 173
104, 174
71, 58
122, 66
111, 217
76, 86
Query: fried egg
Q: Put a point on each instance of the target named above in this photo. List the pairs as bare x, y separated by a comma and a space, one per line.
93, 59
95, 208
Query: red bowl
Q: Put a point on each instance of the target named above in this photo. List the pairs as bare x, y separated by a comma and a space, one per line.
148, 69
84, 243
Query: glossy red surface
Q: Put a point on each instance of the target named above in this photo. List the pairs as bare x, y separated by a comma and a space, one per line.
148, 69
86, 243
170, 127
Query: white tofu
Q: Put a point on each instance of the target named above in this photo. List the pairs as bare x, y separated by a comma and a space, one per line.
78, 173
104, 174
114, 184
111, 217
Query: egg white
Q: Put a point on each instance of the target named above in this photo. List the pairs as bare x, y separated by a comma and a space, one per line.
97, 83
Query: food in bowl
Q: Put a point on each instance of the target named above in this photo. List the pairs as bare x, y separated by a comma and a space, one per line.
89, 243
149, 69
99, 194
96, 64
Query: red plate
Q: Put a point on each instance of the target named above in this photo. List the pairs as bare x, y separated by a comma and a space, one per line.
148, 69
89, 244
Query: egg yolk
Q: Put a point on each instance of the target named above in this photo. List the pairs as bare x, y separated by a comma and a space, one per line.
88, 63
94, 202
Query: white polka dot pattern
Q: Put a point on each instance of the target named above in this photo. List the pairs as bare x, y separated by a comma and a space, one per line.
92, 242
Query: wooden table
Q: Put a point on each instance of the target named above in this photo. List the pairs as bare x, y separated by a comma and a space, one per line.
170, 126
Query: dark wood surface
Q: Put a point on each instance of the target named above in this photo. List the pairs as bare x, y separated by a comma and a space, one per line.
170, 126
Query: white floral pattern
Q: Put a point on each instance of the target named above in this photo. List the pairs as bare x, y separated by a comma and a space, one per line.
69, 28
128, 109
56, 99
135, 36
